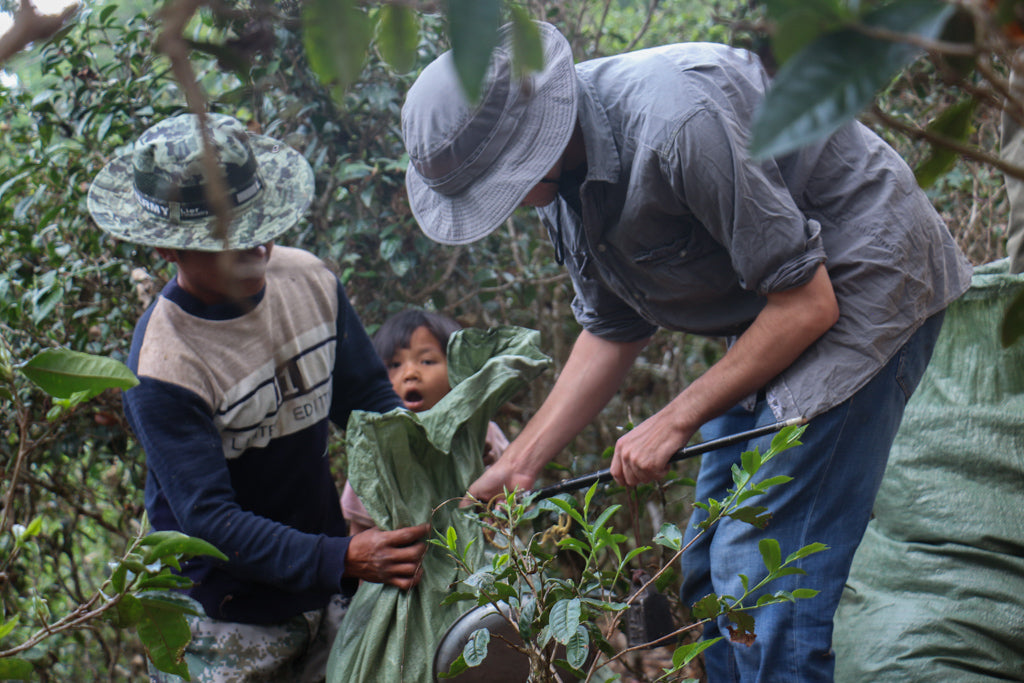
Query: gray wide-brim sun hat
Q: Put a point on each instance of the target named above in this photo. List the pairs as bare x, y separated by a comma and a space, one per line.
155, 195
470, 166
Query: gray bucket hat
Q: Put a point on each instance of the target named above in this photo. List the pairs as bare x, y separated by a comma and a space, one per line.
155, 195
471, 166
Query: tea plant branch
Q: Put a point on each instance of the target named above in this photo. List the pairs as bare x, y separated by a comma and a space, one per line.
25, 446
744, 489
29, 26
76, 619
960, 148
508, 285
451, 262
600, 25
651, 8
171, 43
927, 44
68, 495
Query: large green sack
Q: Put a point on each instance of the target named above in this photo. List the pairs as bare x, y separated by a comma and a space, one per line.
936, 591
408, 468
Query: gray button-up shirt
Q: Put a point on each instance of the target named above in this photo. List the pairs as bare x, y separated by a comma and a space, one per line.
681, 230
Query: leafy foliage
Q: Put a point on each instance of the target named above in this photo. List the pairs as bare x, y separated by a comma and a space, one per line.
581, 611
829, 81
73, 472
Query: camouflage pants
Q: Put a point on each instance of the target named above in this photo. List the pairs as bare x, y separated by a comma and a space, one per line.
293, 651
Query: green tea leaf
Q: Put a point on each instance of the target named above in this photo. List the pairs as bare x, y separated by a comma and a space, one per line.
669, 536
587, 497
828, 82
798, 23
805, 551
129, 611
163, 581
8, 626
606, 515
14, 669
118, 577
755, 516
475, 650
457, 667
564, 618
336, 35
954, 123
684, 654
175, 544
751, 461
770, 553
473, 29
457, 596
398, 35
164, 633
63, 372
527, 45
706, 607
578, 647
774, 481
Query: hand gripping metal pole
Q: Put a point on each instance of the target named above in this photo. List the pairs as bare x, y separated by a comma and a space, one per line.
588, 480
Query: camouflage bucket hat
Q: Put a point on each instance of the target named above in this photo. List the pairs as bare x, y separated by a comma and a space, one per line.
156, 195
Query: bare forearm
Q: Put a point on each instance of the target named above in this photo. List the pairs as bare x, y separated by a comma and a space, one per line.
591, 376
790, 322
785, 328
593, 373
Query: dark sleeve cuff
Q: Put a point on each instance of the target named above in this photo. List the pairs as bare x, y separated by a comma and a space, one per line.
331, 572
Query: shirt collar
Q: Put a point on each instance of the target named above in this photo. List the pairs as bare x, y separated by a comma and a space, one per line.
602, 152
221, 311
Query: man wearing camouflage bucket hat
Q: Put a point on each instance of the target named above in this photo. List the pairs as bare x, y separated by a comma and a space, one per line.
828, 269
242, 360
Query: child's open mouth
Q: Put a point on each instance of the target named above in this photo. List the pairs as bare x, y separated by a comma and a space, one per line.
413, 400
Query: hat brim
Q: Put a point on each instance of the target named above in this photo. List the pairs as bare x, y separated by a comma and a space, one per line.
287, 192
539, 141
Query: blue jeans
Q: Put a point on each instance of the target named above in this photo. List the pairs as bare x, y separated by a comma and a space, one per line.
836, 474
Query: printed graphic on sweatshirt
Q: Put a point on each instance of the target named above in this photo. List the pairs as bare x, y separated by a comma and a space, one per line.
280, 398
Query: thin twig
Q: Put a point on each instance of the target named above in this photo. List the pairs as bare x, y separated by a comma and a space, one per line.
960, 148
170, 42
646, 25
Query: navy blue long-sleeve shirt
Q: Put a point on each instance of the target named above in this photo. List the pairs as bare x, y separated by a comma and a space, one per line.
232, 411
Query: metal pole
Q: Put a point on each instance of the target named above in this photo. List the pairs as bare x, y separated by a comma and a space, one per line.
588, 480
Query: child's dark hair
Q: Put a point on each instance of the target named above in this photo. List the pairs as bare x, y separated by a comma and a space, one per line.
396, 332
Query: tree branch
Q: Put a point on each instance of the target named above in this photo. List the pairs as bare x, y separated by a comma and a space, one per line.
966, 151
30, 26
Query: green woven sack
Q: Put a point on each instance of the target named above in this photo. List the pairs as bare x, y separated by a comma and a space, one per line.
936, 591
408, 468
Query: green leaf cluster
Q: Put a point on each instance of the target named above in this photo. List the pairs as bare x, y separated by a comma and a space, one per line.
830, 79
579, 612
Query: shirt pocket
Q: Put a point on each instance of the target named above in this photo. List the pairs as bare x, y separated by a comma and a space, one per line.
687, 281
678, 252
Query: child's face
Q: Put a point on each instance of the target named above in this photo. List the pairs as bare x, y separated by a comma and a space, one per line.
419, 373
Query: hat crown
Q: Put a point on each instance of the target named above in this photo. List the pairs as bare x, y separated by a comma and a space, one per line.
470, 166
168, 171
452, 142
